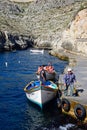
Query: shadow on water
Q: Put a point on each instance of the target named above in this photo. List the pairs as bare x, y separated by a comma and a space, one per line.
52, 118
49, 107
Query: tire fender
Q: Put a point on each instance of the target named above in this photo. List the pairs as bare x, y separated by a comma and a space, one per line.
80, 112
65, 105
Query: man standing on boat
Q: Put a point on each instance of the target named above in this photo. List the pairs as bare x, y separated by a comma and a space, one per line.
42, 75
69, 80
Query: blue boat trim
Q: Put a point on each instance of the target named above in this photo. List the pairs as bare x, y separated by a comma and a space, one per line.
36, 85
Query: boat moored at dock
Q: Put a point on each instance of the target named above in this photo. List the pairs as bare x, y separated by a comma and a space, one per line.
41, 94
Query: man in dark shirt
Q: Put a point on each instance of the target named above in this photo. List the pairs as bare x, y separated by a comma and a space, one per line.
69, 80
43, 75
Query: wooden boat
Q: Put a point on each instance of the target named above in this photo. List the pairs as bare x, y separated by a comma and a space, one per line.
49, 76
41, 94
36, 51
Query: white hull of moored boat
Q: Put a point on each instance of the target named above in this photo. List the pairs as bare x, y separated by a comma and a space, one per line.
41, 97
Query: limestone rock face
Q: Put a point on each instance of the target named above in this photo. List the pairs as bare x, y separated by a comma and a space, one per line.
75, 37
22, 0
44, 21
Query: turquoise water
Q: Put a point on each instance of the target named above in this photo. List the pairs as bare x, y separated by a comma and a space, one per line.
16, 112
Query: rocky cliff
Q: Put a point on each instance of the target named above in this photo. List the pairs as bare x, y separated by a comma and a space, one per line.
74, 38
43, 21
76, 35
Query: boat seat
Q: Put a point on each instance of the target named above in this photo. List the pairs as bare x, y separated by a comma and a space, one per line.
47, 83
37, 83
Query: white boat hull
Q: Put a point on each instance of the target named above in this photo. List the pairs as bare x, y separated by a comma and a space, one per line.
41, 97
39, 93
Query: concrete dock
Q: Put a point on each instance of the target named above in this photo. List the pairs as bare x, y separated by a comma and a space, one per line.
80, 70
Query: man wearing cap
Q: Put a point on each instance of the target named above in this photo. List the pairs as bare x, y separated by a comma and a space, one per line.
69, 80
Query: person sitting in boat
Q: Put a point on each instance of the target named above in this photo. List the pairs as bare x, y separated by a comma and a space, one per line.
46, 68
50, 68
39, 69
42, 75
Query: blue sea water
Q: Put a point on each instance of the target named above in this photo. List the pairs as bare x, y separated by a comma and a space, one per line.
16, 113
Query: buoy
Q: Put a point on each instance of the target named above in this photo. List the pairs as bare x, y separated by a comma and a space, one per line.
6, 64
65, 105
80, 112
19, 61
